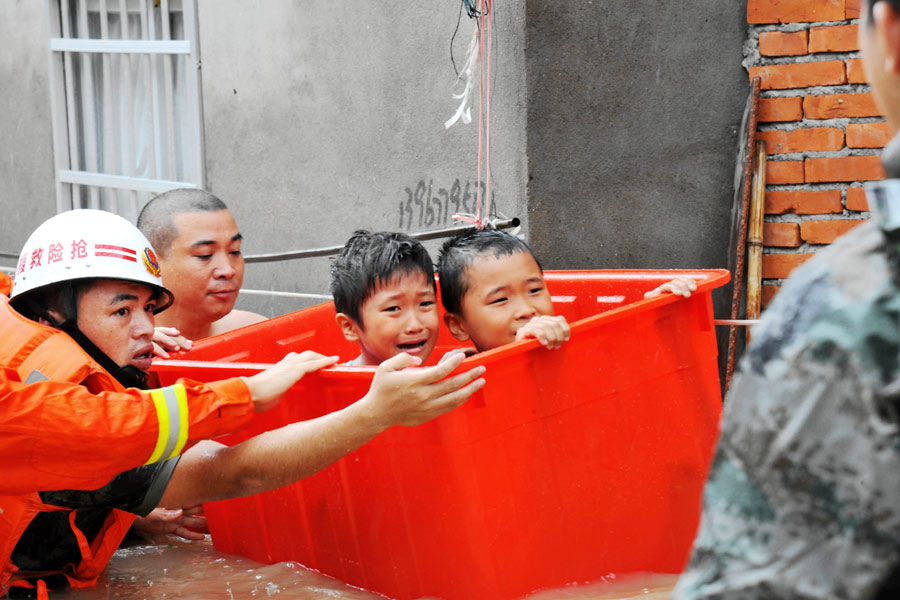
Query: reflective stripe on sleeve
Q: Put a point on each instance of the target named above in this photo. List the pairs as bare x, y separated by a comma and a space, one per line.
172, 412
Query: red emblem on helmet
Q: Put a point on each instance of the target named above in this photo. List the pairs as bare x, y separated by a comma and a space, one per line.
151, 262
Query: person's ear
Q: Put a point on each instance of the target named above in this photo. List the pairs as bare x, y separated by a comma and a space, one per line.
57, 316
456, 326
348, 327
887, 28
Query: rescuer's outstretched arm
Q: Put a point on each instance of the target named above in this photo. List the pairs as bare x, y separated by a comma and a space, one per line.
398, 396
57, 435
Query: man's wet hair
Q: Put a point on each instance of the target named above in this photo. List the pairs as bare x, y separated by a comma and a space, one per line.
369, 260
156, 220
459, 252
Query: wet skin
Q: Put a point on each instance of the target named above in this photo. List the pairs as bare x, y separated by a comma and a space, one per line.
400, 316
118, 317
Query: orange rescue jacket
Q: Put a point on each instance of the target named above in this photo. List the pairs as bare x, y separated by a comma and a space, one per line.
57, 357
63, 427
67, 384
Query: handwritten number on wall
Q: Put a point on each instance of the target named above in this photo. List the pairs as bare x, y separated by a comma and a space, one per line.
429, 207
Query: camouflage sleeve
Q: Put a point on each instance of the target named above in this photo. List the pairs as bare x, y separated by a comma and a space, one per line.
801, 501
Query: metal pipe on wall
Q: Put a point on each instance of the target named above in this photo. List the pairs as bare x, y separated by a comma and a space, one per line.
329, 250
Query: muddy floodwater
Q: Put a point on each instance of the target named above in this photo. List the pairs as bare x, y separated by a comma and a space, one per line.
197, 571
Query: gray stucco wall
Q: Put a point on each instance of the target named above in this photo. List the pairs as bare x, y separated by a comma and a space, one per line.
633, 113
27, 194
614, 126
324, 117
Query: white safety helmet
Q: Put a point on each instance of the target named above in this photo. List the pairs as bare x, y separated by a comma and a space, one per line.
88, 244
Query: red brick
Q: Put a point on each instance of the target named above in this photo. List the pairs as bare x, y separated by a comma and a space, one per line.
768, 292
784, 235
844, 168
868, 135
852, 9
836, 106
803, 202
855, 73
779, 266
780, 109
856, 199
800, 75
782, 172
825, 232
839, 38
779, 43
794, 11
806, 139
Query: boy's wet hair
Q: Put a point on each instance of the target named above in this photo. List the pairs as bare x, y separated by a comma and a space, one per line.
459, 252
372, 259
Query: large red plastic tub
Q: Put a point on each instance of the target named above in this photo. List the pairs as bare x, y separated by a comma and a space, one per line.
568, 466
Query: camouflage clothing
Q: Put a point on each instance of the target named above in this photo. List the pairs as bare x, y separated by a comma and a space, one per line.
803, 499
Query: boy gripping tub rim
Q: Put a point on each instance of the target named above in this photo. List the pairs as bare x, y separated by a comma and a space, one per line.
385, 296
493, 291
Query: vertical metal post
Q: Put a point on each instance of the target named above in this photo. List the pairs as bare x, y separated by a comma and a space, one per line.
57, 82
110, 148
195, 144
148, 23
168, 97
127, 132
72, 116
89, 114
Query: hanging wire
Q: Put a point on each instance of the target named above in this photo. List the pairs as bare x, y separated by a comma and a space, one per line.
477, 58
473, 12
472, 9
453, 37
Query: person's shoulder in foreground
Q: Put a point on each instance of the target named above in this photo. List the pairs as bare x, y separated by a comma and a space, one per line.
384, 296
801, 497
801, 500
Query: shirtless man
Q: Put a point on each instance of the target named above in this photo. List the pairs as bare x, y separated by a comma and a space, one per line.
199, 247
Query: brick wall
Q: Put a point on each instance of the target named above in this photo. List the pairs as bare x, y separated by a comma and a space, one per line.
821, 126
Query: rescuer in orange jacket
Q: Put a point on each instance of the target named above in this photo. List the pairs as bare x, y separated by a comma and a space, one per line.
64, 538
58, 434
36, 532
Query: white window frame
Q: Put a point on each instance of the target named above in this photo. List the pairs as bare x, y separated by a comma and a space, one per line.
62, 93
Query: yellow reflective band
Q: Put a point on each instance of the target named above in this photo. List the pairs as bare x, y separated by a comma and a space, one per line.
162, 415
172, 413
181, 396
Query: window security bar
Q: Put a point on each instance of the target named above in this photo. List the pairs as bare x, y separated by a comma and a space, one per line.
137, 184
126, 102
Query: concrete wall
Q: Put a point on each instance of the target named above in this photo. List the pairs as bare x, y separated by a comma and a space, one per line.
614, 126
27, 193
633, 113
323, 117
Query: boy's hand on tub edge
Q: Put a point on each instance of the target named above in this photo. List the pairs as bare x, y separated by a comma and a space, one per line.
680, 286
550, 331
